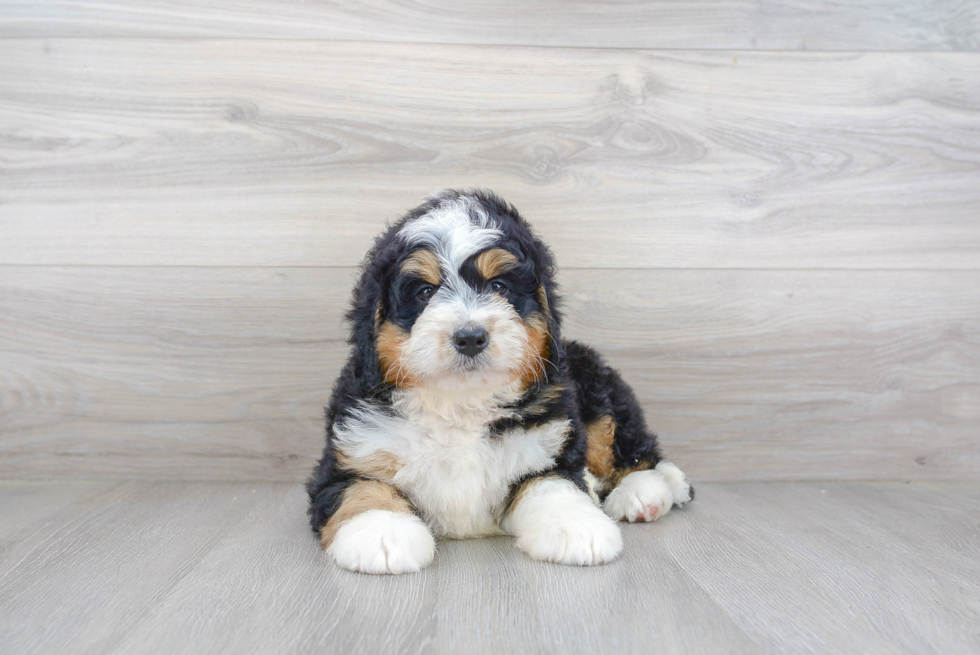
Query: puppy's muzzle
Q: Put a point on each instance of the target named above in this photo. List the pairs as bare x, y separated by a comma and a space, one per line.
471, 341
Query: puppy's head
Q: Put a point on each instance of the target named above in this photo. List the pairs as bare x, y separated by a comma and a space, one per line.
458, 295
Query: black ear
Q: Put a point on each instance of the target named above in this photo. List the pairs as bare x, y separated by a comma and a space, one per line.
550, 300
556, 346
367, 312
366, 299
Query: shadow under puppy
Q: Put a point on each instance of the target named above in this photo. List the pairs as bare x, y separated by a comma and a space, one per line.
461, 412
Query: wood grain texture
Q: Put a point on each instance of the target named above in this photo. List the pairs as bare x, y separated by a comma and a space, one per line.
221, 373
746, 568
703, 24
28, 512
91, 590
293, 153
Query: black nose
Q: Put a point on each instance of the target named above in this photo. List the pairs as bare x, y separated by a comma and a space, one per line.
471, 340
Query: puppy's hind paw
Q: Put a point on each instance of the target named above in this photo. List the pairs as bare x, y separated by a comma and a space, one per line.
380, 541
679, 486
648, 495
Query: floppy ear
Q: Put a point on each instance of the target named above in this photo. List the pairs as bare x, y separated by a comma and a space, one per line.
366, 314
553, 315
550, 301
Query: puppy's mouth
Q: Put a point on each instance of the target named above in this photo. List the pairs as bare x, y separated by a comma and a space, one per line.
471, 365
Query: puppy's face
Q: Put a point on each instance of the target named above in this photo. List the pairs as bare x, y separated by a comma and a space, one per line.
464, 309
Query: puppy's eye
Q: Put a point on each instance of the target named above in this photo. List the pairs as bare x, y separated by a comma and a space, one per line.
425, 293
498, 286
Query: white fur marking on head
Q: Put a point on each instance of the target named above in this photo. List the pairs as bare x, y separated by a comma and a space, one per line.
379, 541
455, 230
557, 522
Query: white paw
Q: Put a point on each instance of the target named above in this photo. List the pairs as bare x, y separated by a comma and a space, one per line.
379, 541
679, 485
557, 522
583, 540
648, 495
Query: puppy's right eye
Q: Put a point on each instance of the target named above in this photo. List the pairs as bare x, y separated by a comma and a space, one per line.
425, 293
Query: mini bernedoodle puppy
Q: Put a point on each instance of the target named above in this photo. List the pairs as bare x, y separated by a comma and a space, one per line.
462, 412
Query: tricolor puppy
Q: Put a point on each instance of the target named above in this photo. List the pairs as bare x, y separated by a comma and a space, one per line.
461, 412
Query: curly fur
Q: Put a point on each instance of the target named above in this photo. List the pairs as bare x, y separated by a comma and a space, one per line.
480, 443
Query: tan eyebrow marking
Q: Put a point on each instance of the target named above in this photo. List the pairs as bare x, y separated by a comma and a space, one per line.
425, 264
495, 261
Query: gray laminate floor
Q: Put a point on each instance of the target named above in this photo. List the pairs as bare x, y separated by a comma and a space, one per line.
231, 567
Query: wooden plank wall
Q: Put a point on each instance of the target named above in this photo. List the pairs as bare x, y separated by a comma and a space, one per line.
767, 216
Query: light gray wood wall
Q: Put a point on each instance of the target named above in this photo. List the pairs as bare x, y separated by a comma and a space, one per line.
767, 217
872, 25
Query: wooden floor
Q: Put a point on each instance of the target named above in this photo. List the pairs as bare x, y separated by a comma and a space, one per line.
749, 567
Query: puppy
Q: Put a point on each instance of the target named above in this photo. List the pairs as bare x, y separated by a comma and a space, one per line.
461, 412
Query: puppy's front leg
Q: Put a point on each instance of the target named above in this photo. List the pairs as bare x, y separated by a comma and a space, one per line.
375, 531
554, 520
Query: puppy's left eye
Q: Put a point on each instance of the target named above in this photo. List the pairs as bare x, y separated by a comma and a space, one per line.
498, 286
425, 293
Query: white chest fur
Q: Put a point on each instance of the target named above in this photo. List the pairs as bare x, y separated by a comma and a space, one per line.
457, 476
